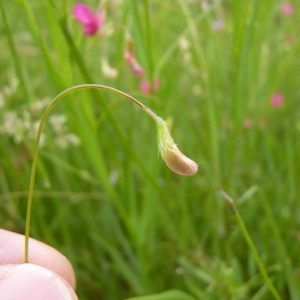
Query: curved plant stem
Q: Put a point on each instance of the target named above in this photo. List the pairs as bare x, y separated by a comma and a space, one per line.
38, 136
251, 245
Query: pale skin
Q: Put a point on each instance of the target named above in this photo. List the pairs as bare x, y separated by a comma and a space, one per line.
48, 276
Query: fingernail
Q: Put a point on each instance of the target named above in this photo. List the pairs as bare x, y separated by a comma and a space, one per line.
28, 281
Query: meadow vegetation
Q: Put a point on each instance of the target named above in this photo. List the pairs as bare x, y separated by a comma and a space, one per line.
224, 73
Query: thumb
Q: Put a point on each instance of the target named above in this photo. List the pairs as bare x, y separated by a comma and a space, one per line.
28, 281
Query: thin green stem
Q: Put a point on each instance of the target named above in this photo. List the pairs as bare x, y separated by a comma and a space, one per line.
37, 142
251, 245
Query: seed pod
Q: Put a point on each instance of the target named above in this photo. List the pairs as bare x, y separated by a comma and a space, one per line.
170, 153
179, 163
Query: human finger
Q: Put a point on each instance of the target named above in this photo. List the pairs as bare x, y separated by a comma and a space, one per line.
29, 281
12, 252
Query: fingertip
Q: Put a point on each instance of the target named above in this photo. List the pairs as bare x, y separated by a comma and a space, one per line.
29, 281
12, 252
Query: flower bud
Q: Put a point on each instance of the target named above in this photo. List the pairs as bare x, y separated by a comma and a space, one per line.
173, 157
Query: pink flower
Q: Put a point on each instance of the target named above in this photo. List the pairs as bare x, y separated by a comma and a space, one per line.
145, 86
248, 123
148, 88
218, 25
277, 100
205, 6
131, 60
91, 22
290, 40
288, 9
134, 65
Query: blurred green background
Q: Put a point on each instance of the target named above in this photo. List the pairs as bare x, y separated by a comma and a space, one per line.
228, 84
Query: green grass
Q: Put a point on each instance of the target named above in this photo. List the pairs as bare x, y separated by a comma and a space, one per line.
128, 224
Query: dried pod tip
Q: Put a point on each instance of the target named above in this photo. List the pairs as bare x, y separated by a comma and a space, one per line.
173, 157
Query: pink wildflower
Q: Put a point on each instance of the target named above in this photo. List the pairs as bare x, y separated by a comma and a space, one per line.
92, 22
134, 65
277, 100
218, 25
205, 6
145, 86
248, 123
288, 9
290, 40
132, 61
148, 87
